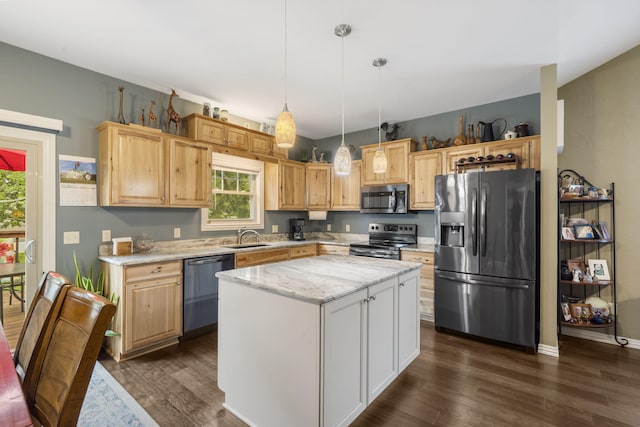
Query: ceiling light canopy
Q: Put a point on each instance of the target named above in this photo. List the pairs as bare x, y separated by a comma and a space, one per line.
285, 126
342, 160
380, 158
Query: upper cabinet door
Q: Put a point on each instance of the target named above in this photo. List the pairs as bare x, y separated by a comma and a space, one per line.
423, 168
190, 173
318, 186
397, 153
345, 189
132, 165
237, 138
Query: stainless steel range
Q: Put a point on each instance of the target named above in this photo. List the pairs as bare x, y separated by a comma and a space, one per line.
385, 240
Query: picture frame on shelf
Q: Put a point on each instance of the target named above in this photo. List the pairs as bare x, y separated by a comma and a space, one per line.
599, 269
567, 233
604, 230
580, 311
576, 264
583, 231
566, 311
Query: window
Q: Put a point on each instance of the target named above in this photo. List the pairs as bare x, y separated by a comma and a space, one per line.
236, 199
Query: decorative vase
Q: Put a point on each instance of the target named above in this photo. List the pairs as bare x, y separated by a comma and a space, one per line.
120, 114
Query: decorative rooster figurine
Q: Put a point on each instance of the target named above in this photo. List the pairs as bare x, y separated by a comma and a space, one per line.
390, 135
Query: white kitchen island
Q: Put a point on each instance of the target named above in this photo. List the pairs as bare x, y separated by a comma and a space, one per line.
311, 342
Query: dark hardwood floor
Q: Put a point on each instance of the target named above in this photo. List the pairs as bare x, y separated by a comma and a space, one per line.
454, 382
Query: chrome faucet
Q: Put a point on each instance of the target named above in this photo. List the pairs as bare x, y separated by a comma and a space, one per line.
243, 230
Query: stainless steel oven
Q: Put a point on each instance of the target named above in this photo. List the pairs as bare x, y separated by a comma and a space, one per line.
385, 241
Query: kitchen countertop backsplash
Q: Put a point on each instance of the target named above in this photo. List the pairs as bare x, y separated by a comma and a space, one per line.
180, 249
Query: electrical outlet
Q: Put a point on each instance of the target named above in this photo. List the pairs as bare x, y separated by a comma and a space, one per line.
176, 233
71, 237
347, 228
274, 228
106, 235
328, 227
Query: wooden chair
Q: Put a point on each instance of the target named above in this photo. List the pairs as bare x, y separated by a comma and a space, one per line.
67, 357
38, 323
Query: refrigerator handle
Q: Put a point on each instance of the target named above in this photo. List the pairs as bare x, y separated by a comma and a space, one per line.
474, 220
483, 222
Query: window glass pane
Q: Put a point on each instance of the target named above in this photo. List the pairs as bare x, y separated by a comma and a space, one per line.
231, 206
230, 181
244, 183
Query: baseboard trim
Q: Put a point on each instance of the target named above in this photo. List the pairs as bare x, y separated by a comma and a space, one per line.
548, 350
427, 317
595, 336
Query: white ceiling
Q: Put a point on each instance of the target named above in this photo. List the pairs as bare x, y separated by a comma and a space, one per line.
443, 54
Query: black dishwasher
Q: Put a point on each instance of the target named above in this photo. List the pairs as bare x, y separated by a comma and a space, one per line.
200, 289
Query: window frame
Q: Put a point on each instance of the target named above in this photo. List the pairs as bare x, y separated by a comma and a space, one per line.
245, 165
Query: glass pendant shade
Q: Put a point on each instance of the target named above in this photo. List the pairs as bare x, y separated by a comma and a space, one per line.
342, 161
285, 129
379, 162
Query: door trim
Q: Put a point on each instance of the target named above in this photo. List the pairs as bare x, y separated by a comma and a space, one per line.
47, 180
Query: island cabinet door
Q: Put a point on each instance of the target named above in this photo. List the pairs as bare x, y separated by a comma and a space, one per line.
344, 359
408, 320
382, 343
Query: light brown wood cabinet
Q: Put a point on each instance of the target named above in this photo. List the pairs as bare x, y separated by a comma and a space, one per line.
318, 188
328, 249
397, 153
345, 189
527, 149
423, 168
426, 280
203, 128
303, 251
425, 165
284, 185
261, 256
144, 167
149, 314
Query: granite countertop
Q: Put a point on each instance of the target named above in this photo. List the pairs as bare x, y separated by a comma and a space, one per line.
320, 279
183, 251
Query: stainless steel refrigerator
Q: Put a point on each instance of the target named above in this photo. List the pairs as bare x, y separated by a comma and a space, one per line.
486, 255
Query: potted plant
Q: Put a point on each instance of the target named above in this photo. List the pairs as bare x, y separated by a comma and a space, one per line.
96, 286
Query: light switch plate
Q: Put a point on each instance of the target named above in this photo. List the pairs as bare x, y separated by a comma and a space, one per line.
347, 227
106, 235
328, 227
71, 237
274, 228
176, 233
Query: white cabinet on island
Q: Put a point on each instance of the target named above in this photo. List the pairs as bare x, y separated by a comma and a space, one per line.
311, 342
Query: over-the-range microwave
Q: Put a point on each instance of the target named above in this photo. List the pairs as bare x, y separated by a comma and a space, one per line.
385, 199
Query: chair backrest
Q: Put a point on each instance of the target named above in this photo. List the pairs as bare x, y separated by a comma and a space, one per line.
44, 309
69, 356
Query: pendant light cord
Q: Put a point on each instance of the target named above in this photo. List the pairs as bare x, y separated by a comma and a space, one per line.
342, 90
379, 130
286, 76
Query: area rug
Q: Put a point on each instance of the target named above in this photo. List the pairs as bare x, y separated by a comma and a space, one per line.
107, 403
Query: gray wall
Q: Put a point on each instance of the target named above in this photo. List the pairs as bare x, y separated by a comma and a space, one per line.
82, 99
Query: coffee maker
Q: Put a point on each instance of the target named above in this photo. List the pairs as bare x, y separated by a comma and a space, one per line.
295, 228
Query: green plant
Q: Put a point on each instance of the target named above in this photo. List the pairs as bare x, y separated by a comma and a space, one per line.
96, 286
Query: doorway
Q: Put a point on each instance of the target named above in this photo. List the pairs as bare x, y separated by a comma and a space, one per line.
38, 147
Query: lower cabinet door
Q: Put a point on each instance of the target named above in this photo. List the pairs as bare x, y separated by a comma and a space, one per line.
382, 337
344, 359
153, 312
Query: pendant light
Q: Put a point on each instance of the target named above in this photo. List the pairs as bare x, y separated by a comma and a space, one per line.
342, 160
380, 158
285, 126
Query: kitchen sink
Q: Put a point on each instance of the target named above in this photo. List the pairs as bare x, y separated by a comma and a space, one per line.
246, 245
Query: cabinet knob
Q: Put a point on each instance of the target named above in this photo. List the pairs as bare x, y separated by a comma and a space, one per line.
372, 298
402, 285
366, 300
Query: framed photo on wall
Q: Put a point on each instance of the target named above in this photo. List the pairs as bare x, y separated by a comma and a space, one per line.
599, 269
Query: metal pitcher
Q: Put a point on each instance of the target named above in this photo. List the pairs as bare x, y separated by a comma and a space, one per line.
487, 130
